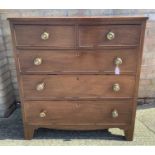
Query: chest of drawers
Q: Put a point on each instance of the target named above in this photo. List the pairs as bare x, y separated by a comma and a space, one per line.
78, 73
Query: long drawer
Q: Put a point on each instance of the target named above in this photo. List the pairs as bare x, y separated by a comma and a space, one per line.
77, 61
39, 87
78, 112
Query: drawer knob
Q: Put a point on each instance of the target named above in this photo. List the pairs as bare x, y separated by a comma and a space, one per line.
110, 35
116, 87
45, 36
118, 61
42, 114
37, 61
40, 86
115, 113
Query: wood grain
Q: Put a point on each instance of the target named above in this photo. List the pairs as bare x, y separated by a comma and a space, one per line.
59, 36
77, 86
96, 36
77, 62
78, 112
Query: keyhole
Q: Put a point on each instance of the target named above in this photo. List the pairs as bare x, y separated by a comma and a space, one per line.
77, 105
77, 78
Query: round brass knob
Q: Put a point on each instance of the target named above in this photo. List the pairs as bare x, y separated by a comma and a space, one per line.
44, 35
110, 35
37, 61
40, 86
118, 61
115, 113
42, 114
116, 87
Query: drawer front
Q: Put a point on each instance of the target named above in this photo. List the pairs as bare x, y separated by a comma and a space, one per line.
109, 35
51, 36
72, 61
77, 86
78, 112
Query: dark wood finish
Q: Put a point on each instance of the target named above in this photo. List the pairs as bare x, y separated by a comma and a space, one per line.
94, 20
78, 112
75, 61
78, 71
96, 36
28, 131
59, 36
77, 86
129, 134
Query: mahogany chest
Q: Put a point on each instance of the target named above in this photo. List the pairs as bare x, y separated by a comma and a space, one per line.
78, 73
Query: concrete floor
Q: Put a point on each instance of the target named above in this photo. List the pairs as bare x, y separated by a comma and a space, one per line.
11, 132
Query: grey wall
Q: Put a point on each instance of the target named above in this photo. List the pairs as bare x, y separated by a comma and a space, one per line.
7, 96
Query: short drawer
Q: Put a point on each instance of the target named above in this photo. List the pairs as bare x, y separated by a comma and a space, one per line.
43, 35
77, 86
78, 112
77, 61
109, 35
